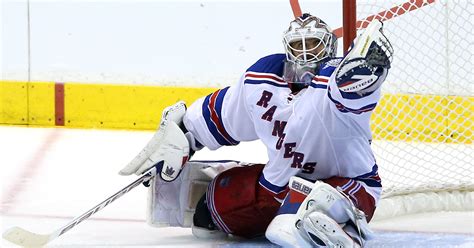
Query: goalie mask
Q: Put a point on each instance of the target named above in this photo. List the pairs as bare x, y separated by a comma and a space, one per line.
308, 42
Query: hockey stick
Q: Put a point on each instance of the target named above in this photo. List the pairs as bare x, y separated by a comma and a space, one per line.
22, 237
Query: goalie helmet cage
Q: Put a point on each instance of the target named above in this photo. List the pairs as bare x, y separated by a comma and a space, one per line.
423, 125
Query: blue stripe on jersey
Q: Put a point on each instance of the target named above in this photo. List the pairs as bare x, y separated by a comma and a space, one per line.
345, 109
328, 67
250, 81
318, 86
269, 186
374, 171
372, 178
221, 136
219, 100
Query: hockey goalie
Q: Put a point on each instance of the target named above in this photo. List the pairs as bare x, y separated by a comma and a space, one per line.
311, 110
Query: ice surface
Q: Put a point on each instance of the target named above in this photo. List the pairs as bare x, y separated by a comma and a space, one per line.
51, 175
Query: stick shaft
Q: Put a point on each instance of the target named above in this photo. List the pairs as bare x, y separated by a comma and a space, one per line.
145, 177
22, 237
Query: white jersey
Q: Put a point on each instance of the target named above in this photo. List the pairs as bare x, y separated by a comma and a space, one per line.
318, 133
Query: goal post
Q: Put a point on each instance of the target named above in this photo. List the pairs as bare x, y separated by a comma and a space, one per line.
349, 19
423, 125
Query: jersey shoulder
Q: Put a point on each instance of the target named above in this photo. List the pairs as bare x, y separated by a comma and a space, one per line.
273, 64
329, 66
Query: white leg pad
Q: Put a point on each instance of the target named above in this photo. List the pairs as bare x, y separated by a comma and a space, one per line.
324, 231
326, 199
173, 203
324, 202
282, 231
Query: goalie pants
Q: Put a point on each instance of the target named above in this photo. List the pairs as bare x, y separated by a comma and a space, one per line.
240, 206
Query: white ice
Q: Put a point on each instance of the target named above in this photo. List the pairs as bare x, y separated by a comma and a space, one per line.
50, 175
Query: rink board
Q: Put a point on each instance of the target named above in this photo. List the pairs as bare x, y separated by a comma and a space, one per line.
114, 106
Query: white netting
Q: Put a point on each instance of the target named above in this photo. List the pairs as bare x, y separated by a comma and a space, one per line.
423, 126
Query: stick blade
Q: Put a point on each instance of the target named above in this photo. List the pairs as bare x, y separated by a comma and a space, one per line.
22, 237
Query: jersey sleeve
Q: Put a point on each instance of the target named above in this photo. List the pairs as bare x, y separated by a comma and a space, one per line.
221, 118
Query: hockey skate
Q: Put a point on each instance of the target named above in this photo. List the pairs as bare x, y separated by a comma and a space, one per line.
203, 227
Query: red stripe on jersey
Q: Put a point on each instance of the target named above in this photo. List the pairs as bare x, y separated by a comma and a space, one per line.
215, 117
265, 77
321, 79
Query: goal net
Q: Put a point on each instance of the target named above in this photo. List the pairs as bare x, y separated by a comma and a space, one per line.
423, 125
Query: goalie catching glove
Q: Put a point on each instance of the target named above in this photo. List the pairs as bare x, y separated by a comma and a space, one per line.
169, 144
366, 65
